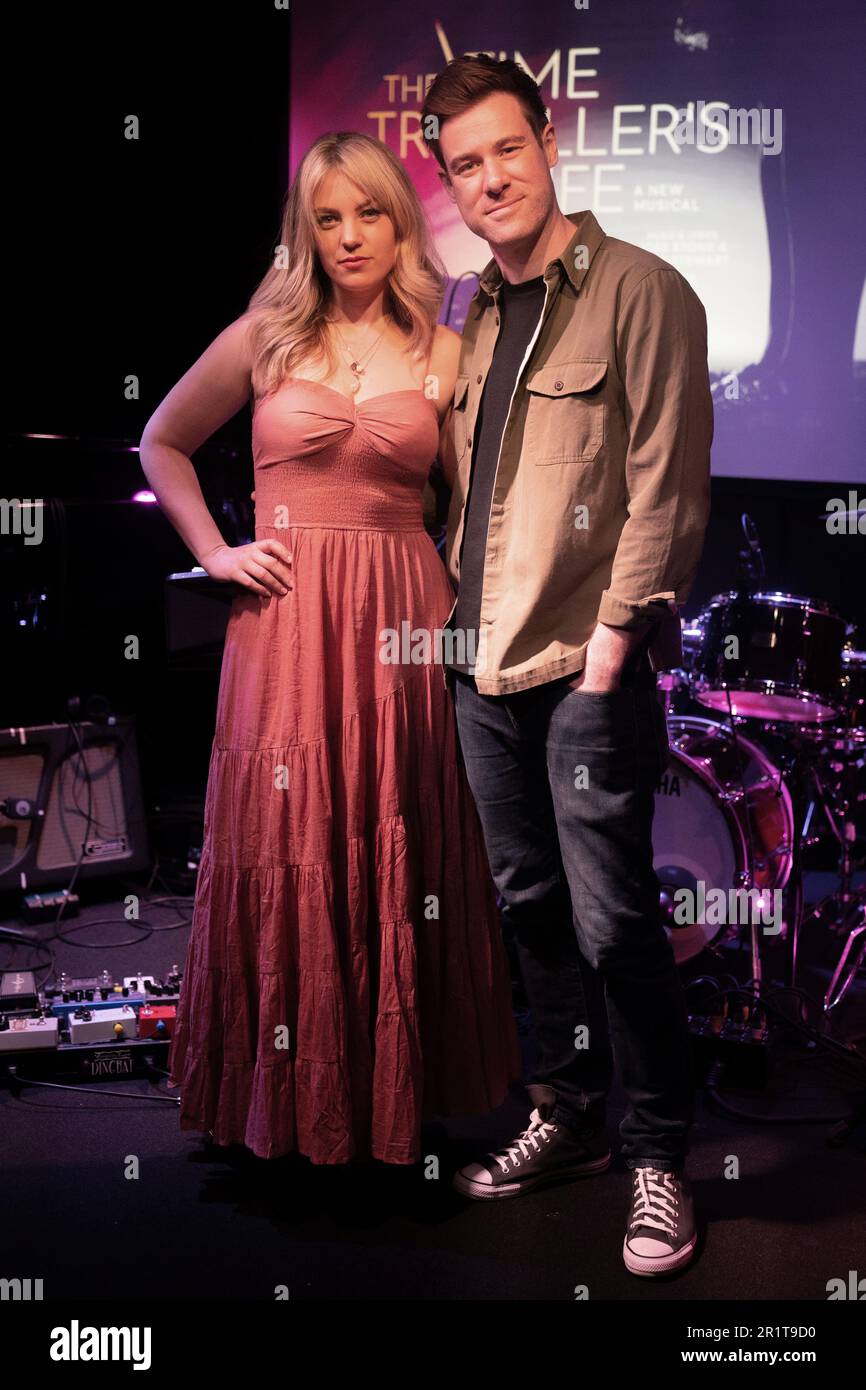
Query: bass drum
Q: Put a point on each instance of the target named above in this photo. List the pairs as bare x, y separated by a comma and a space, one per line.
721, 809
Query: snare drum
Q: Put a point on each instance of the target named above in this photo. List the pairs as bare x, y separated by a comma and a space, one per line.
722, 811
777, 656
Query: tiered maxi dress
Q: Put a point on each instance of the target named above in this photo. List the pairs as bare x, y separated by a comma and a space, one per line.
345, 977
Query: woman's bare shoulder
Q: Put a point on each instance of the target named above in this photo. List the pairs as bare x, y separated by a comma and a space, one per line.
446, 341
240, 330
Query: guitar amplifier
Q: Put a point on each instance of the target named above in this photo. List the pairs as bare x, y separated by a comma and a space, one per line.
67, 799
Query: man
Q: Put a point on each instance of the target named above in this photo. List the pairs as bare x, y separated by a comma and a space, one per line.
582, 423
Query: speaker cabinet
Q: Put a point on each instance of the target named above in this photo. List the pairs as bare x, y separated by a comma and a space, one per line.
88, 791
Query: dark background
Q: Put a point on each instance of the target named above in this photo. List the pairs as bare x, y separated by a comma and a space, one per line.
129, 257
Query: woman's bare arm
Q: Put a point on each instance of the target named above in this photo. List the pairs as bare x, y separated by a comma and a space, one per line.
444, 361
214, 389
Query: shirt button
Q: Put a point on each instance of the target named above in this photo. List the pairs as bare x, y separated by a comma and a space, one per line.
469, 441
557, 386
478, 378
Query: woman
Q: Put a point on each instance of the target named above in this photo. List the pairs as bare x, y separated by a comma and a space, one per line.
345, 976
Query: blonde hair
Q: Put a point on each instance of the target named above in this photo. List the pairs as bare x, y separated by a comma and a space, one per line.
287, 311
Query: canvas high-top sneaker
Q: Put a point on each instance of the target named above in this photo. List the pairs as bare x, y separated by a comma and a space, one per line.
660, 1236
545, 1152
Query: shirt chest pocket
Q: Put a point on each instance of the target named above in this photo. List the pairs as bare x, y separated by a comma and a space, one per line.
565, 419
458, 415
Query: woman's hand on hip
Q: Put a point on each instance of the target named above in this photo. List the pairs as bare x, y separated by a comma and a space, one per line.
263, 567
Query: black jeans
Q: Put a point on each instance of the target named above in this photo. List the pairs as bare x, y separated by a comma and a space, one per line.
564, 782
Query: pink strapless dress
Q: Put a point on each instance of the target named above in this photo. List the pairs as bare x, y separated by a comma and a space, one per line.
345, 976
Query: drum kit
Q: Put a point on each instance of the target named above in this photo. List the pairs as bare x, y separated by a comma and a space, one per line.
745, 789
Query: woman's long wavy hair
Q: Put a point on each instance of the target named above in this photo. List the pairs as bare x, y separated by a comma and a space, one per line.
287, 311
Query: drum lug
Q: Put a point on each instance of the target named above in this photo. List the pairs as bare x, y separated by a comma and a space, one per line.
783, 849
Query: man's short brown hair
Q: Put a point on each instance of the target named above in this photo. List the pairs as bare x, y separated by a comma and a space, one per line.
471, 78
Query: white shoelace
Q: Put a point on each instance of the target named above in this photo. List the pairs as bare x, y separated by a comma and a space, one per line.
521, 1146
655, 1200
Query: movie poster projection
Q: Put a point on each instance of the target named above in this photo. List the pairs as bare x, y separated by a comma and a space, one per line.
725, 138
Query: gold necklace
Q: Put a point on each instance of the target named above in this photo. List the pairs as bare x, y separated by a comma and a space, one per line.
355, 362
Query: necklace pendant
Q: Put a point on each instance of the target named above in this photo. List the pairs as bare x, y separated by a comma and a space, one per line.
356, 385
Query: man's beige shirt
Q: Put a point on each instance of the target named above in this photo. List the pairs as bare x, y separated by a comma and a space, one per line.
602, 490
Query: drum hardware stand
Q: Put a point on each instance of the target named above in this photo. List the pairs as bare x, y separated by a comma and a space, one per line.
751, 566
750, 570
794, 888
853, 952
843, 910
746, 876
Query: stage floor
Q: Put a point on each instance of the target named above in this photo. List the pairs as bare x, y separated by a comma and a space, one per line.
201, 1222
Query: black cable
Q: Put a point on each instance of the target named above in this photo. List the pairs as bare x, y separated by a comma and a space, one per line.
83, 759
737, 1112
762, 1001
151, 930
109, 830
66, 938
846, 1052
717, 990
